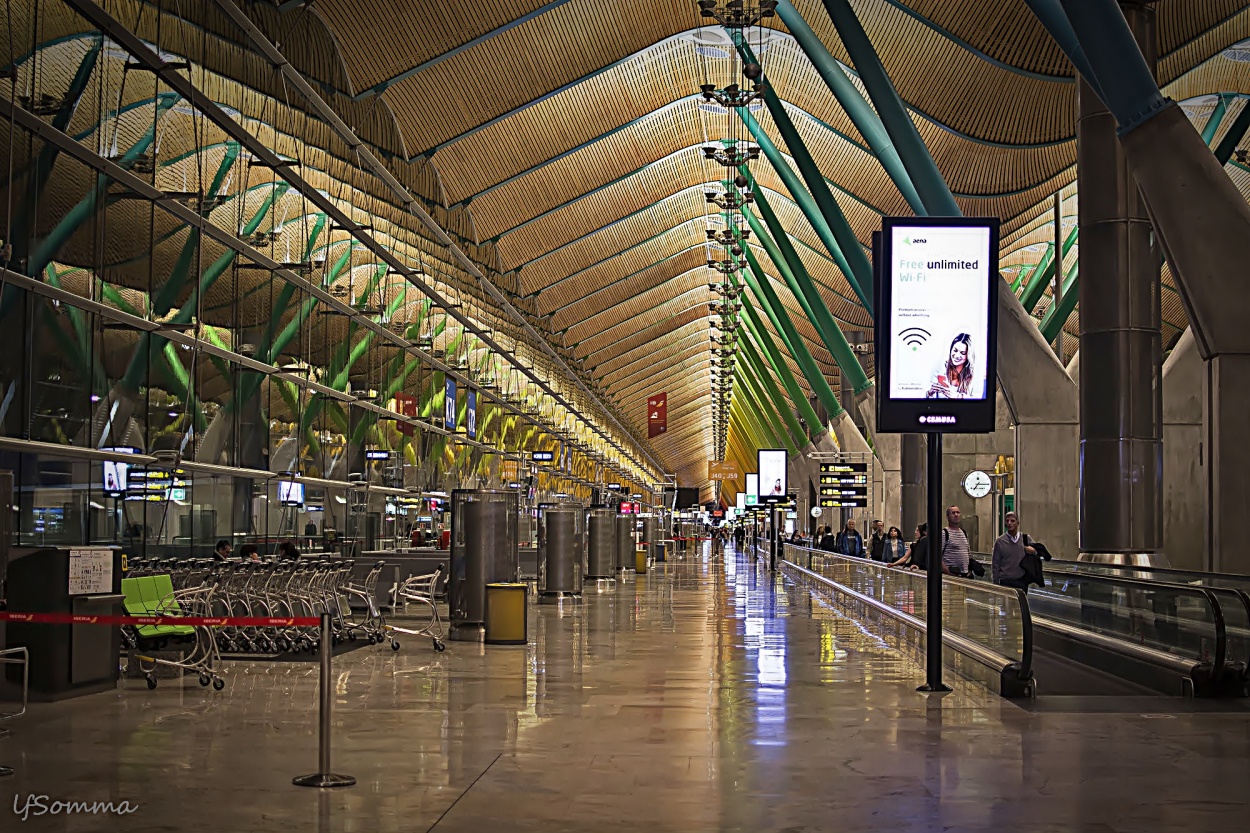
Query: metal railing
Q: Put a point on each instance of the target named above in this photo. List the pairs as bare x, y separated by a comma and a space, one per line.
987, 628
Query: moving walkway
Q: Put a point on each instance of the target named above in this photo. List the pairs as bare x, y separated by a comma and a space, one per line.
1089, 631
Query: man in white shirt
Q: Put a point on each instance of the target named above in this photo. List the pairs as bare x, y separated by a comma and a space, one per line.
955, 549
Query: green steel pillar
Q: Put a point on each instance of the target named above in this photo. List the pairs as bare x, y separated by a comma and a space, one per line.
781, 320
1217, 115
1041, 278
1236, 132
763, 381
755, 333
860, 112
921, 168
756, 402
804, 289
819, 206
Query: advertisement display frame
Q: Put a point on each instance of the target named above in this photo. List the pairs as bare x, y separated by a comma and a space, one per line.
901, 330
752, 488
771, 485
471, 413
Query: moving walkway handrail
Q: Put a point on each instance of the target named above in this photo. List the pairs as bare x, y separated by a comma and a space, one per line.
959, 642
1232, 583
1207, 593
1026, 618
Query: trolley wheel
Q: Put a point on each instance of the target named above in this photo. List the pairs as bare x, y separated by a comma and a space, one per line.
218, 684
205, 679
394, 644
151, 681
352, 636
438, 645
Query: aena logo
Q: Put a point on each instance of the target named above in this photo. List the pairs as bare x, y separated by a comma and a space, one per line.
913, 337
911, 240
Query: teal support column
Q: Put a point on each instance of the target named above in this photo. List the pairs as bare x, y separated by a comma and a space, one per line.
753, 433
820, 207
757, 335
756, 367
1055, 317
860, 112
1041, 278
804, 289
757, 400
768, 423
1213, 121
921, 168
781, 320
1236, 132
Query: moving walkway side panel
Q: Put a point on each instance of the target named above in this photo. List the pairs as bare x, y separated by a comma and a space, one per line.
1008, 676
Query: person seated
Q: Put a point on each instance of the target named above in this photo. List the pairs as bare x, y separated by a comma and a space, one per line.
249, 553
287, 551
222, 551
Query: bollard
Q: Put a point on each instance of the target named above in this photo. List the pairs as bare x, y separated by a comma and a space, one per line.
324, 777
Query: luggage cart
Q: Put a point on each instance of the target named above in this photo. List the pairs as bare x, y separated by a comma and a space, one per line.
419, 590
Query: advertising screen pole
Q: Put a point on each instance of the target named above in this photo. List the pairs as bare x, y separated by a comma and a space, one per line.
933, 602
936, 340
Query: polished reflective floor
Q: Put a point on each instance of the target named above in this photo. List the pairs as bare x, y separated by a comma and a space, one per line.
705, 695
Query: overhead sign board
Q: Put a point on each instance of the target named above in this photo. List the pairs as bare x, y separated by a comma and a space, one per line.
753, 489
544, 456
720, 470
937, 324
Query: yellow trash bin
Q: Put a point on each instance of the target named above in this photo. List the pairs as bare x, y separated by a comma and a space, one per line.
640, 559
506, 620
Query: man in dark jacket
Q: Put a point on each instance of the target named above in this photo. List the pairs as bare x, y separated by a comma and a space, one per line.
876, 544
850, 542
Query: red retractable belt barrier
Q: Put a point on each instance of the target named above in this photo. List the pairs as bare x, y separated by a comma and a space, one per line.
210, 621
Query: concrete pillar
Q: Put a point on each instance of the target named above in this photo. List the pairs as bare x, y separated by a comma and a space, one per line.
1039, 398
1184, 472
1227, 401
911, 486
1121, 459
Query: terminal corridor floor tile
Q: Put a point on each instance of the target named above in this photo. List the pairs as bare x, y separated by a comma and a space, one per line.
704, 695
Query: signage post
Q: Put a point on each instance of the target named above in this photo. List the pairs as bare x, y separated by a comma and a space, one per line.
936, 334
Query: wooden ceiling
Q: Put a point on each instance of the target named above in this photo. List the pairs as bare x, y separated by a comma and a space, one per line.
563, 137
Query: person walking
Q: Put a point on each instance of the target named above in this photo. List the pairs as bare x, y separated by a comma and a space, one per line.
876, 545
1011, 551
849, 541
955, 549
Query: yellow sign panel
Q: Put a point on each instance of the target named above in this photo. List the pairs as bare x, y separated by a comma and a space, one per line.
717, 470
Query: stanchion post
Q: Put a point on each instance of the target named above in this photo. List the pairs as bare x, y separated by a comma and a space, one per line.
933, 601
324, 777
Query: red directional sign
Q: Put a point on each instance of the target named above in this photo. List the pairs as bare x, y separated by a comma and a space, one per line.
657, 415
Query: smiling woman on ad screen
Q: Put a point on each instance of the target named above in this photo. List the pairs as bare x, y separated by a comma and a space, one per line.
955, 377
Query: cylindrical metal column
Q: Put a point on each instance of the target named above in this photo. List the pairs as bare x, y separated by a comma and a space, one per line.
651, 536
483, 551
625, 542
1121, 498
561, 551
601, 544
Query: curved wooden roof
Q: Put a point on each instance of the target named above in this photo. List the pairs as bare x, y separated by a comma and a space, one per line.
560, 140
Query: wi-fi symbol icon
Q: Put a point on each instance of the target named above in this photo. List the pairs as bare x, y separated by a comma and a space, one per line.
913, 337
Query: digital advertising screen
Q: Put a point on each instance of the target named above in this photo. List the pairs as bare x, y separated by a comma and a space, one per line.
772, 474
753, 489
114, 476
741, 502
936, 324
449, 406
290, 493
